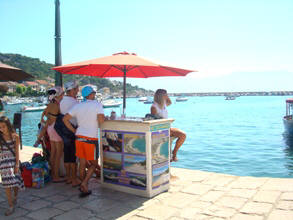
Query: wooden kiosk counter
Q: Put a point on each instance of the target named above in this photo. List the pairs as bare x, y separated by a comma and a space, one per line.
135, 155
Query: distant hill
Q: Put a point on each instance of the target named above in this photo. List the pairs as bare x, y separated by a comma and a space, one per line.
41, 70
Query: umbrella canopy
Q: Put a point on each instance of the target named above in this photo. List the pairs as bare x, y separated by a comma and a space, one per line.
121, 65
10, 73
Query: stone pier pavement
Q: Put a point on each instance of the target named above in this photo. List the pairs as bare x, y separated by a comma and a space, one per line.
193, 195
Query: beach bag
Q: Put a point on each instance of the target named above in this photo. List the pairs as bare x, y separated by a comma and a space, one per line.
38, 178
26, 175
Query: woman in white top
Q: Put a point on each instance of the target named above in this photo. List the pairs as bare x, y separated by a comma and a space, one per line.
159, 108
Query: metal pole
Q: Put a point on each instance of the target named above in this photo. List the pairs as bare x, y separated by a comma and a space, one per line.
124, 90
58, 61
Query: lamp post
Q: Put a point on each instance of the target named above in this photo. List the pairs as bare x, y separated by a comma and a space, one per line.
58, 60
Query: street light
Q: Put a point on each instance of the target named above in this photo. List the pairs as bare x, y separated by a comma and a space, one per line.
58, 60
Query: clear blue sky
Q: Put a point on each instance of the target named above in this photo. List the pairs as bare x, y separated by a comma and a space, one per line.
236, 45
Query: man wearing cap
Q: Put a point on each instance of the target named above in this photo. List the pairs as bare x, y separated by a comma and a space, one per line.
68, 101
89, 115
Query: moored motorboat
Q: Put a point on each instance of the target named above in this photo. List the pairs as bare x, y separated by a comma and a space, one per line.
230, 97
149, 101
111, 103
181, 99
34, 108
143, 99
287, 119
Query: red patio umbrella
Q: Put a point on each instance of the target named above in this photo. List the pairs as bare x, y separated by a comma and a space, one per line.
121, 65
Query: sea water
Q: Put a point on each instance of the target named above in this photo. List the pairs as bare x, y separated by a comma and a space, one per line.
242, 137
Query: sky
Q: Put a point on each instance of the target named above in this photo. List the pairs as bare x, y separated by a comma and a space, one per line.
235, 45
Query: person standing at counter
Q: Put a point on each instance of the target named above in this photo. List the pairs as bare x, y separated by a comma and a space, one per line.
159, 108
89, 115
68, 101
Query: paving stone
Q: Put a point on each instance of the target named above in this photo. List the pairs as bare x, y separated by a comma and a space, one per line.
266, 196
179, 200
56, 198
35, 205
129, 215
102, 204
202, 217
244, 193
248, 183
66, 205
158, 211
218, 211
200, 204
135, 217
286, 205
220, 180
287, 196
258, 208
285, 185
247, 217
116, 212
232, 202
189, 212
75, 214
212, 196
280, 215
45, 213
197, 189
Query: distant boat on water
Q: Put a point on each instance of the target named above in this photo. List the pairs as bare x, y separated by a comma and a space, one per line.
230, 97
287, 119
149, 101
143, 99
181, 99
111, 103
34, 108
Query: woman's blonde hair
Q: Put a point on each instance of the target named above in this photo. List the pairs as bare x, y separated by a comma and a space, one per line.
158, 97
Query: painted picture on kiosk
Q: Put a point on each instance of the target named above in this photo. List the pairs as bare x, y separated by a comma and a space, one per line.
160, 146
135, 163
112, 141
134, 143
112, 161
160, 173
138, 181
110, 176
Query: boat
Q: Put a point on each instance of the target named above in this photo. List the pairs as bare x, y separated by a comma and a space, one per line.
149, 101
111, 103
143, 99
181, 99
34, 108
230, 97
287, 119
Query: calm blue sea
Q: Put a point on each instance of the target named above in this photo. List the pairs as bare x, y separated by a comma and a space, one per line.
240, 137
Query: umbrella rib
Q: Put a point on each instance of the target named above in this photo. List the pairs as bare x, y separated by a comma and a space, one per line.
143, 72
77, 68
104, 73
172, 70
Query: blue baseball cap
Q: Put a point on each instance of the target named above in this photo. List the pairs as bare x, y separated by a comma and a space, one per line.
86, 91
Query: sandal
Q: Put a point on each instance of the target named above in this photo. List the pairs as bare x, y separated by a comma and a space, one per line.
9, 211
174, 158
85, 194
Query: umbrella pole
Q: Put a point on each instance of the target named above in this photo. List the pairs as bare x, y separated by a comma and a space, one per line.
124, 90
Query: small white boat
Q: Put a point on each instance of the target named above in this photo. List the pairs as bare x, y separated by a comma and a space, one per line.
34, 108
287, 119
181, 99
149, 101
230, 97
143, 99
111, 103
